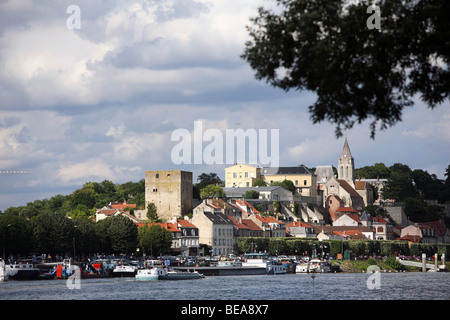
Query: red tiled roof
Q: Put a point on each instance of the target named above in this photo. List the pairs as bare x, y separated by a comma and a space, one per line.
185, 223
107, 212
414, 239
379, 220
346, 209
272, 220
123, 205
439, 228
166, 225
298, 224
237, 223
251, 225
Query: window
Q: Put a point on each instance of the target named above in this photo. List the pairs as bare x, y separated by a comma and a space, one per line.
304, 182
246, 174
248, 184
155, 190
296, 182
380, 229
157, 175
234, 175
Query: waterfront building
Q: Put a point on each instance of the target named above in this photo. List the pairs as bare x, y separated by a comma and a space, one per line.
300, 229
383, 228
215, 228
189, 243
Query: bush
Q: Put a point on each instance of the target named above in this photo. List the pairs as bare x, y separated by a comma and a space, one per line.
393, 263
371, 261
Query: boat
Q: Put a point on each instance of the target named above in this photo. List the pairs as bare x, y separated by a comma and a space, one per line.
21, 271
166, 274
275, 267
147, 274
229, 263
313, 266
262, 260
3, 275
124, 270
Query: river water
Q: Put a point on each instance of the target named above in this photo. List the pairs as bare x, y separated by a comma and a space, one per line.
340, 286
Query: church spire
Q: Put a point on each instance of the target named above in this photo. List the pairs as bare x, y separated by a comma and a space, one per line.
346, 164
346, 149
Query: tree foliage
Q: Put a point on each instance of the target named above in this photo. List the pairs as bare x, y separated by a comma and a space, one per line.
15, 235
212, 191
152, 211
154, 240
53, 233
357, 73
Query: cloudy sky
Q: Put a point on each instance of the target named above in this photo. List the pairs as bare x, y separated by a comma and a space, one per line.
101, 102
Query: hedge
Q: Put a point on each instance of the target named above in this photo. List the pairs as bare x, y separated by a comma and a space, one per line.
300, 246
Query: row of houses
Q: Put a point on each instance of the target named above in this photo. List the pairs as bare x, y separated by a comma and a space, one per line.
217, 224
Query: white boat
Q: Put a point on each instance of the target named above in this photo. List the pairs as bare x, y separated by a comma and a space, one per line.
21, 271
3, 274
229, 263
147, 274
314, 265
262, 260
275, 267
169, 274
179, 275
124, 270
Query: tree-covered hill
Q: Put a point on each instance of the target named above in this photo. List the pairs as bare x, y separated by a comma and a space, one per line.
84, 201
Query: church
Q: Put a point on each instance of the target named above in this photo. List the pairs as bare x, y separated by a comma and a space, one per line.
343, 192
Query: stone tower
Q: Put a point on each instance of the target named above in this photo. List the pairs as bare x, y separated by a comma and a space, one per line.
171, 191
346, 164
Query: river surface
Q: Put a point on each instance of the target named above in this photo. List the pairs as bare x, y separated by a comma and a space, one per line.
340, 286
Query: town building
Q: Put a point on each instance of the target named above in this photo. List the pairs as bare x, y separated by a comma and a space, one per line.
383, 228
304, 181
270, 226
355, 194
190, 240
215, 228
240, 175
269, 193
171, 191
345, 232
300, 229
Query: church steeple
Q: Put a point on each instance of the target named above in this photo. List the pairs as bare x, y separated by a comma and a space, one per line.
346, 164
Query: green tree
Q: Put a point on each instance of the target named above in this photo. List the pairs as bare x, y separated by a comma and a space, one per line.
287, 184
152, 211
15, 235
251, 194
212, 191
400, 183
53, 233
86, 237
205, 179
259, 183
154, 240
357, 73
122, 233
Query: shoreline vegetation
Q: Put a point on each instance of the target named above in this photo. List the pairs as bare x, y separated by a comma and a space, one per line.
360, 266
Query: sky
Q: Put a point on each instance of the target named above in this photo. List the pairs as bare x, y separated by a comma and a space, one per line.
100, 102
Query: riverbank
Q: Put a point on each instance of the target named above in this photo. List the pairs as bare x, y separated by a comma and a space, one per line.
358, 266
